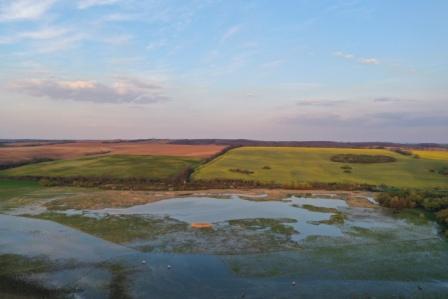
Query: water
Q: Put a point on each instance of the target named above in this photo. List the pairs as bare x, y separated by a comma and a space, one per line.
372, 254
213, 210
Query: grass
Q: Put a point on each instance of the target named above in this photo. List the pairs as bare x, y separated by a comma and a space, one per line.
13, 188
116, 166
117, 229
293, 166
277, 226
316, 209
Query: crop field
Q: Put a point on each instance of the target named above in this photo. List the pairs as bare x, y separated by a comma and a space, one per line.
290, 166
117, 166
26, 152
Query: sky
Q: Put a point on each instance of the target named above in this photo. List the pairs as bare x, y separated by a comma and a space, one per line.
258, 69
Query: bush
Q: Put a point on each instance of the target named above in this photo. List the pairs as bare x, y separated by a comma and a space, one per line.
367, 159
401, 151
243, 171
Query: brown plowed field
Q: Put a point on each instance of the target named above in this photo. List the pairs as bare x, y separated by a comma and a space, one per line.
10, 154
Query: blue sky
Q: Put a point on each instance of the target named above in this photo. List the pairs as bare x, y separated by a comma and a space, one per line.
277, 70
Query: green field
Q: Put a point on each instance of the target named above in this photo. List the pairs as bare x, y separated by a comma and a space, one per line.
116, 166
292, 166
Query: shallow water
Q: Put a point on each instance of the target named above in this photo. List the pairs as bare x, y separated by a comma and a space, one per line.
212, 210
372, 254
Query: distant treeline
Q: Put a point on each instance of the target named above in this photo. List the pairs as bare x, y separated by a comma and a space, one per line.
242, 142
248, 142
30, 143
21, 163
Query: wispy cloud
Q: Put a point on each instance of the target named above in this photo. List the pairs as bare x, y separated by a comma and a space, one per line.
45, 33
17, 10
387, 100
361, 60
230, 32
123, 90
83, 4
318, 102
344, 55
272, 64
368, 120
118, 39
156, 45
61, 43
368, 60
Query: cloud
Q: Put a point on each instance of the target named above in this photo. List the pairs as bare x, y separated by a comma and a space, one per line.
344, 55
83, 4
230, 32
119, 17
17, 10
272, 64
156, 45
123, 90
362, 60
321, 102
387, 100
44, 33
60, 43
410, 119
118, 39
369, 61
370, 120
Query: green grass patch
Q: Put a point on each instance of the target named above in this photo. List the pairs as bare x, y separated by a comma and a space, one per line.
278, 226
117, 228
10, 188
316, 209
293, 166
115, 166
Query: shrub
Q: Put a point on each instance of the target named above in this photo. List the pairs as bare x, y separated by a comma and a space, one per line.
367, 159
401, 151
243, 171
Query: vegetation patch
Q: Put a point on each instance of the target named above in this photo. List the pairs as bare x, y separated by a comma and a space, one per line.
278, 226
10, 188
433, 201
15, 271
402, 151
316, 209
118, 228
365, 159
243, 171
336, 218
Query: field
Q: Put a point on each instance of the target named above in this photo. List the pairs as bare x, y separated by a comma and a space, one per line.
116, 166
289, 166
26, 152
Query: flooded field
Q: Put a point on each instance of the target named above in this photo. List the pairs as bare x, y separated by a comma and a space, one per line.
252, 248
